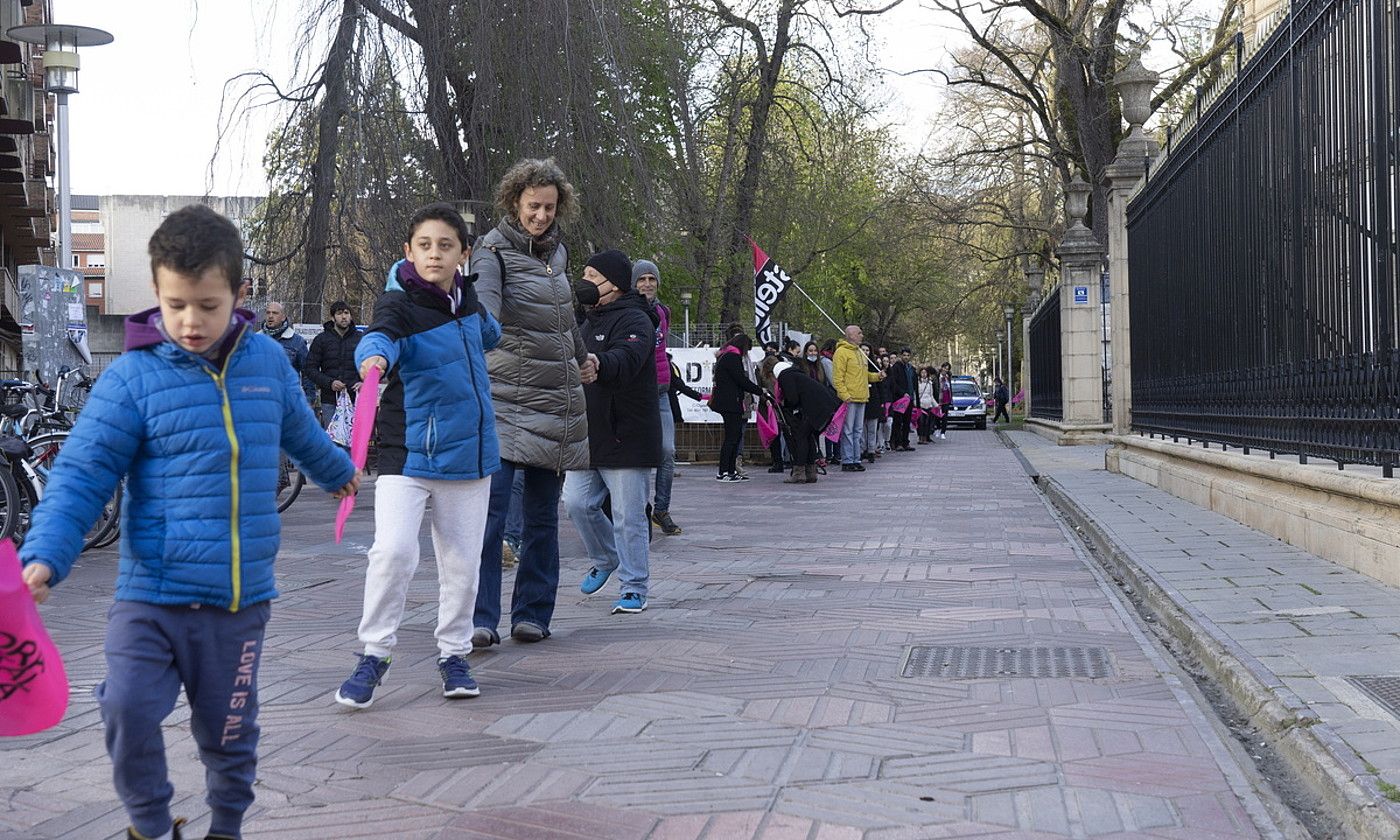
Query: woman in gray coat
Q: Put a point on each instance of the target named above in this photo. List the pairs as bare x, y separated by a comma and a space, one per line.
537, 374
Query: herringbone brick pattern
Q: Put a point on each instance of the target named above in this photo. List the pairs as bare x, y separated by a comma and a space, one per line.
759, 696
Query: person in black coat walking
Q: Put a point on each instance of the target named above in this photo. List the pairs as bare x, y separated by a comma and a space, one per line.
1002, 395
624, 430
726, 398
330, 363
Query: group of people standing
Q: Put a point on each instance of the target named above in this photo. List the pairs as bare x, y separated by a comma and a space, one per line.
879, 398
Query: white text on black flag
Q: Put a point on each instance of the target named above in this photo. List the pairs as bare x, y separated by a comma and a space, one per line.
770, 283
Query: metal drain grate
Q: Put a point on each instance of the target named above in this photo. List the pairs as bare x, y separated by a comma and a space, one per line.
1384, 690
975, 663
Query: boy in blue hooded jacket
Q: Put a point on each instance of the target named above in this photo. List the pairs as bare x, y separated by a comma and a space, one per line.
194, 415
437, 440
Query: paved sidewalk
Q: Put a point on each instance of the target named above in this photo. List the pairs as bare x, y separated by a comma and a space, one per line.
1299, 625
761, 695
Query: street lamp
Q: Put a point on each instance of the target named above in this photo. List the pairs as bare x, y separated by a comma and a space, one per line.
61, 42
685, 301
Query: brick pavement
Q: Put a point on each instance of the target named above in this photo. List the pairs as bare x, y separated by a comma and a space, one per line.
1300, 624
761, 695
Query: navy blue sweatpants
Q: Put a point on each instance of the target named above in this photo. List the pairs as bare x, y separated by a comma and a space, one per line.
152, 650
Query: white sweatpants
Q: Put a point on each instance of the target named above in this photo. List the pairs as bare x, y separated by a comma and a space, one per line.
458, 525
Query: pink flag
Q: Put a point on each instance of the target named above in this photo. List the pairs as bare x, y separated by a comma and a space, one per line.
833, 429
365, 409
1020, 395
767, 420
901, 405
33, 684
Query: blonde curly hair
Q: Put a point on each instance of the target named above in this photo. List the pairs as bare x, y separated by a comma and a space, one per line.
535, 172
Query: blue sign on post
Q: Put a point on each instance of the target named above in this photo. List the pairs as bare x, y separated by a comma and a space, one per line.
1081, 295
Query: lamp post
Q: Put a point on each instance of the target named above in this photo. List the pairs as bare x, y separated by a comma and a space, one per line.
685, 301
61, 42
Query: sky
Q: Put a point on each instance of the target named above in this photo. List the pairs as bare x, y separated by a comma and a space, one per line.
146, 120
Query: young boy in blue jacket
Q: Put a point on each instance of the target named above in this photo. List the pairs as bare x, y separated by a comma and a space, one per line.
437, 440
194, 415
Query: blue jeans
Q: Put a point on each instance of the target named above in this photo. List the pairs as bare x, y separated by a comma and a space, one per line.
515, 517
622, 543
537, 575
666, 473
853, 433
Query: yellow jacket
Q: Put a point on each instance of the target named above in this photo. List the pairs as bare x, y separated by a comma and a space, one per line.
852, 374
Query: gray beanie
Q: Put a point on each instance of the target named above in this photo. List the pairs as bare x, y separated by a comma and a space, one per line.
641, 267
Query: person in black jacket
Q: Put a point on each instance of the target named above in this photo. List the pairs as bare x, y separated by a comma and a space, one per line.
903, 382
624, 430
807, 407
678, 386
726, 398
330, 363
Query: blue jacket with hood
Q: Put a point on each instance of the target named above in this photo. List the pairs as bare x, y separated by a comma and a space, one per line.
435, 417
199, 442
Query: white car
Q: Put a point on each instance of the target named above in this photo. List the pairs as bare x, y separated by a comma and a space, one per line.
968, 404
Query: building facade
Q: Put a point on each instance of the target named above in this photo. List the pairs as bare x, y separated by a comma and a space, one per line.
122, 226
26, 164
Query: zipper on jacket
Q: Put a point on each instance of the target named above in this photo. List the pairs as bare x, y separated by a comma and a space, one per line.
236, 545
480, 412
430, 438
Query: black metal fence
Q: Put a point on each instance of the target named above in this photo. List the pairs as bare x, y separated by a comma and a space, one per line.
1263, 250
1047, 385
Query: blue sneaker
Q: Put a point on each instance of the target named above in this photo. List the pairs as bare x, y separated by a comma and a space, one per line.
632, 602
594, 580
457, 677
358, 691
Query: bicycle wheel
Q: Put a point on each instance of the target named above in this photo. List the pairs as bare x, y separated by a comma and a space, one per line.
104, 531
11, 502
289, 483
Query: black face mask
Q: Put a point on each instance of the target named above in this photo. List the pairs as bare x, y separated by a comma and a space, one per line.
586, 292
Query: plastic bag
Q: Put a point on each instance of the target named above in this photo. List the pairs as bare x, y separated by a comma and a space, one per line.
342, 427
33, 683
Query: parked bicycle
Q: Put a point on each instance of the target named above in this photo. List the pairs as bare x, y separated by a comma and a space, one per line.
33, 429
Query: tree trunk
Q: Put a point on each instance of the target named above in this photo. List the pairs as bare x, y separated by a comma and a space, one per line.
323, 177
769, 74
434, 38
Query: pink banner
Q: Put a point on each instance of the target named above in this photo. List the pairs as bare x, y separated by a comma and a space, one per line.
1020, 395
33, 684
767, 420
365, 409
833, 429
901, 405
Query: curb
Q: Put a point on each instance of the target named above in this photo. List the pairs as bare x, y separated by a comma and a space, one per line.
1322, 760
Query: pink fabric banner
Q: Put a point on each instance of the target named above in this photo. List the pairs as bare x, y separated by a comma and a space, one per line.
33, 683
767, 420
901, 405
365, 409
833, 429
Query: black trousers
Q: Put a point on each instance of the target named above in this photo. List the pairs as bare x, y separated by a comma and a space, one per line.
733, 439
925, 425
1001, 412
899, 435
803, 440
943, 419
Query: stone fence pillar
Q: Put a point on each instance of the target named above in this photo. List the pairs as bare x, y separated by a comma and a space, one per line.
1081, 323
1135, 85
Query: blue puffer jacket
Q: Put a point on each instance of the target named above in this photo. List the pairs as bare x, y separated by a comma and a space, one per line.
435, 418
199, 445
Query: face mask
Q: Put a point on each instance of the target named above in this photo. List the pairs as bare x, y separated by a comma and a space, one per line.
812, 357
586, 292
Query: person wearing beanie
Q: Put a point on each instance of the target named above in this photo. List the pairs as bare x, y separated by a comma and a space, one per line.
646, 278
624, 430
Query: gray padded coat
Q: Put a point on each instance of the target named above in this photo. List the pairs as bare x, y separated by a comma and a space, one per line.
541, 415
